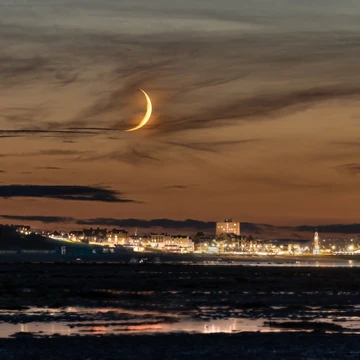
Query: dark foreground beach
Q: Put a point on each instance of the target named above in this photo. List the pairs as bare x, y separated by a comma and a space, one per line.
184, 346
175, 311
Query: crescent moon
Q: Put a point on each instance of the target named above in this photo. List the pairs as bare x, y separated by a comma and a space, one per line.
147, 114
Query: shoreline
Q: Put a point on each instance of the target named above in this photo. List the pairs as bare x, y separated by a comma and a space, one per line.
156, 257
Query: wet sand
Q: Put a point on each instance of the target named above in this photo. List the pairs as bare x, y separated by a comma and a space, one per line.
313, 346
175, 311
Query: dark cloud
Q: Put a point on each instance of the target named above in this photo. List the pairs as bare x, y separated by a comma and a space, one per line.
47, 152
62, 192
210, 146
56, 152
177, 187
51, 130
47, 132
43, 219
2, 171
147, 224
352, 169
9, 136
48, 168
336, 228
38, 131
99, 129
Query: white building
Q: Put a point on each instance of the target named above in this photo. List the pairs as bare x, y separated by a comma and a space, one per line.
228, 227
177, 243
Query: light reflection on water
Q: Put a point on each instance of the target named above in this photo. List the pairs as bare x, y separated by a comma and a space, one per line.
188, 326
232, 325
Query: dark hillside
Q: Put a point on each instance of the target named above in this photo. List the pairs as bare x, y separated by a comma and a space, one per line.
12, 240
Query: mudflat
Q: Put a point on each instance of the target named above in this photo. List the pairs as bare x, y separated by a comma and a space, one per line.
176, 311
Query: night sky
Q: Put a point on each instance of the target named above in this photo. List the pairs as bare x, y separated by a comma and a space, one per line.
256, 110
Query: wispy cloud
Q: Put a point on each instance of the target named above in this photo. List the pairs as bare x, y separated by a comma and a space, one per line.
63, 192
335, 228
198, 71
38, 131
210, 146
290, 185
352, 169
49, 168
264, 106
133, 155
12, 68
43, 219
47, 152
147, 224
239, 75
180, 187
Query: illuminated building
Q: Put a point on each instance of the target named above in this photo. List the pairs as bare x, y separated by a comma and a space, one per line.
116, 236
228, 227
182, 241
22, 229
182, 244
94, 235
76, 235
158, 240
316, 249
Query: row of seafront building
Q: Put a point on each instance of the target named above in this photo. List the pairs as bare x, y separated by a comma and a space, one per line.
116, 237
163, 241
221, 243
227, 240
